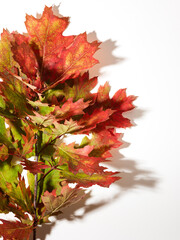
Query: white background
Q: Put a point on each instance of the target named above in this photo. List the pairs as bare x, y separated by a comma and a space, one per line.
140, 52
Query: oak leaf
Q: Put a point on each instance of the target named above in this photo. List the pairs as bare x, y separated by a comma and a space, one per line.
78, 159
33, 167
59, 56
24, 55
103, 179
15, 230
56, 203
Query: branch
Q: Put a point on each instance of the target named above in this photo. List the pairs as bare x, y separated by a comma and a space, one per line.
48, 143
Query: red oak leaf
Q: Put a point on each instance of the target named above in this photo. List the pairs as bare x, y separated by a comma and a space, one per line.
117, 120
33, 167
81, 88
59, 56
70, 108
122, 102
15, 230
103, 179
24, 55
78, 159
119, 103
90, 121
103, 141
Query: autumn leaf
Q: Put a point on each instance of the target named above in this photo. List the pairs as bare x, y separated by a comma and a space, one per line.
70, 108
56, 203
33, 167
78, 56
24, 55
28, 141
21, 195
102, 141
8, 205
118, 104
16, 101
80, 89
59, 56
6, 59
42, 121
4, 203
3, 153
42, 108
46, 35
4, 140
90, 121
8, 174
103, 179
69, 126
103, 93
15, 230
78, 159
122, 102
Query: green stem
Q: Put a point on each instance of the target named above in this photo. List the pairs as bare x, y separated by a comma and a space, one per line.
54, 167
49, 143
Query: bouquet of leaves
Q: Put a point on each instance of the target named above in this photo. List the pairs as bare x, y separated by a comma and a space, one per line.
45, 97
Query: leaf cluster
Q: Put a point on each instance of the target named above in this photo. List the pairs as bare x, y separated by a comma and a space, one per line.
45, 96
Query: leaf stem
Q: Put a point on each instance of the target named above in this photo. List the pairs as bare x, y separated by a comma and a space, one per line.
35, 189
54, 167
48, 143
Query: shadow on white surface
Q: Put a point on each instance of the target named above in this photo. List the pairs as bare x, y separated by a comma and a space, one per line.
104, 54
132, 175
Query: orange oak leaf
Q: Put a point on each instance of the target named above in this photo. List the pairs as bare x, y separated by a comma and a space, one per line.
59, 56
77, 57
103, 93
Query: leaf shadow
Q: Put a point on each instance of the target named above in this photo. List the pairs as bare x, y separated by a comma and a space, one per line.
132, 175
104, 54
